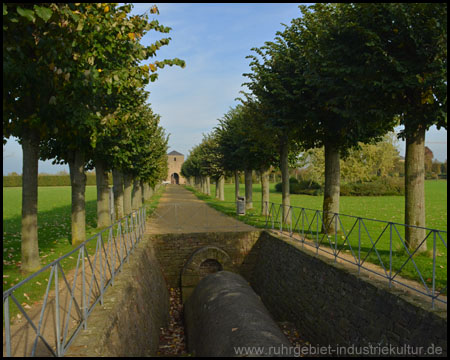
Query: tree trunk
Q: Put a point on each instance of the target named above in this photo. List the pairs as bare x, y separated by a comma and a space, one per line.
136, 201
103, 214
143, 192
78, 183
151, 191
127, 188
248, 189
118, 194
197, 183
415, 190
208, 186
221, 186
139, 201
217, 188
29, 244
265, 192
332, 189
285, 195
236, 185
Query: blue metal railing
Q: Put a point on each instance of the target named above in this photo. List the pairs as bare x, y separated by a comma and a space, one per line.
372, 241
72, 303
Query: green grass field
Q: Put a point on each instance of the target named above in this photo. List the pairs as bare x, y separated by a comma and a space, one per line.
386, 208
54, 228
383, 208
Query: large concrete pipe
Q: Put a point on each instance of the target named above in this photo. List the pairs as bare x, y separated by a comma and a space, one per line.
225, 317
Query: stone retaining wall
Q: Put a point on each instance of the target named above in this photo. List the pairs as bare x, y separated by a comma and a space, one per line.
331, 305
134, 309
174, 250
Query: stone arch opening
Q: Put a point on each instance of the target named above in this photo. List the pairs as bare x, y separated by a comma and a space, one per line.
210, 266
202, 262
175, 178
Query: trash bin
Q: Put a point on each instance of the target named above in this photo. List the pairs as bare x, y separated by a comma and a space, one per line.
240, 205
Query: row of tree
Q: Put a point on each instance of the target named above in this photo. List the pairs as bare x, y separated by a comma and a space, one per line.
338, 76
73, 91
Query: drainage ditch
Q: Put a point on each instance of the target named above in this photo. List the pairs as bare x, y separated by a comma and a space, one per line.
327, 301
172, 339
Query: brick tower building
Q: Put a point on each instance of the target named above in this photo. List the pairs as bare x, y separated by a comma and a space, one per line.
175, 160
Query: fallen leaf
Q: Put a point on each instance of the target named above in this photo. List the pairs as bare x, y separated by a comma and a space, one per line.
234, 329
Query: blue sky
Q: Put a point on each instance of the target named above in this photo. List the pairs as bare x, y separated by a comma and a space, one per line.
214, 40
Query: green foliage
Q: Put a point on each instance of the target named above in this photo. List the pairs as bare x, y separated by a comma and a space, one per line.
364, 163
230, 137
27, 79
414, 39
83, 62
381, 187
345, 102
12, 181
107, 85
307, 187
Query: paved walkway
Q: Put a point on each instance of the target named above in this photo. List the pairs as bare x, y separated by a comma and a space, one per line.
179, 211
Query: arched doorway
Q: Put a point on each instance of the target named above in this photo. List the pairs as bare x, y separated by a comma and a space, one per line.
175, 178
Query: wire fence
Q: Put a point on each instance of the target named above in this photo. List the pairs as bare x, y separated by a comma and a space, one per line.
363, 242
70, 296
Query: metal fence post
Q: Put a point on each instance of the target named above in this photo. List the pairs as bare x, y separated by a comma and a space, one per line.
83, 289
390, 254
58, 330
335, 236
99, 245
359, 245
290, 212
282, 218
7, 325
317, 232
273, 218
434, 271
303, 226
